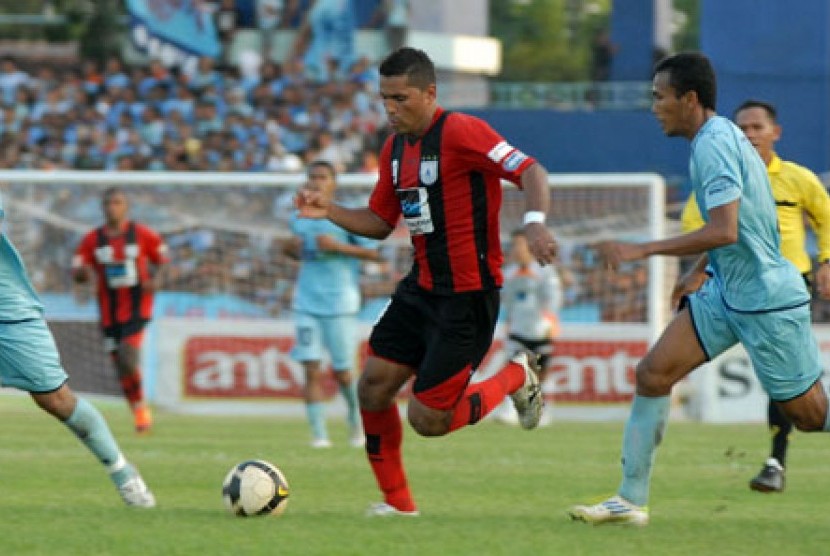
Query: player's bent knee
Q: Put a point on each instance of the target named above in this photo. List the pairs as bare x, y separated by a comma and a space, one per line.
59, 404
373, 393
429, 425
650, 382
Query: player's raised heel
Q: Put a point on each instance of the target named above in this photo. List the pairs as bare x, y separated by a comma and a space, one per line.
135, 493
770, 479
615, 510
382, 509
143, 418
528, 398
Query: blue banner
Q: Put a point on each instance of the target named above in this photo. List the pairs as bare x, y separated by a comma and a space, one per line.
177, 32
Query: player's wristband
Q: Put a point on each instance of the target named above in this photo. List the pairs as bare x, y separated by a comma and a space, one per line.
534, 217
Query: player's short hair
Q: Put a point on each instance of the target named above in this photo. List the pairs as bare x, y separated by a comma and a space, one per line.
111, 192
767, 107
691, 71
322, 164
411, 62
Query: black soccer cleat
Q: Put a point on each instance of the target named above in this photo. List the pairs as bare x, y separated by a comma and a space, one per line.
770, 479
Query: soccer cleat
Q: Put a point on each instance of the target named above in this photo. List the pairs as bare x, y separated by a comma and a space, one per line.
356, 438
614, 510
135, 493
528, 398
143, 419
382, 509
321, 443
770, 479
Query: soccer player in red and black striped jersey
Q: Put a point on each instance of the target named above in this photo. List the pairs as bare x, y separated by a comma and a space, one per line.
442, 172
126, 257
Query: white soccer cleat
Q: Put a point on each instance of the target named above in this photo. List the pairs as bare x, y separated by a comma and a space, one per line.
357, 439
528, 398
382, 509
321, 443
614, 510
135, 493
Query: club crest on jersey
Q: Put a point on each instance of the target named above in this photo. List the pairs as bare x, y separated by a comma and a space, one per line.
428, 172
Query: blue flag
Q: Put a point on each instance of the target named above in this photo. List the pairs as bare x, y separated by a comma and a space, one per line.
175, 31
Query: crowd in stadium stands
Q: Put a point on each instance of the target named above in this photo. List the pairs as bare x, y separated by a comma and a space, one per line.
154, 118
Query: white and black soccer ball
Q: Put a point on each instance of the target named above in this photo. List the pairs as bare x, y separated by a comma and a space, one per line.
255, 487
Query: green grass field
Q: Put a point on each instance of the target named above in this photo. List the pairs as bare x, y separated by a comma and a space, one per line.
486, 490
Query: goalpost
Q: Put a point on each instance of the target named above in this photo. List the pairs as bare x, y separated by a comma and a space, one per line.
222, 328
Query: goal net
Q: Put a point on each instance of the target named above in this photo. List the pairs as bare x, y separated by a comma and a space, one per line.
227, 293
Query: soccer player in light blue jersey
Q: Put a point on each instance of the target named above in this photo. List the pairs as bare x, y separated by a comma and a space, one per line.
29, 361
755, 296
326, 302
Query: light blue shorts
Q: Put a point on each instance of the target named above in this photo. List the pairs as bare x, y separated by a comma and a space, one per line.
780, 344
336, 334
29, 359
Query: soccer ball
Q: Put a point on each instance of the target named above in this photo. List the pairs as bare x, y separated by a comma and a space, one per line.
255, 487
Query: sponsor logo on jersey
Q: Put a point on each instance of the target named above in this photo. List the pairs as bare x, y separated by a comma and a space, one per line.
498, 152
514, 160
428, 172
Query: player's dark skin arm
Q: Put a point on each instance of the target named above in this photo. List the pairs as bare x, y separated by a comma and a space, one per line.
81, 275
291, 247
360, 221
156, 279
534, 182
328, 243
722, 229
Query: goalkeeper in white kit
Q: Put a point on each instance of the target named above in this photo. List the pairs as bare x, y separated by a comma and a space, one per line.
531, 298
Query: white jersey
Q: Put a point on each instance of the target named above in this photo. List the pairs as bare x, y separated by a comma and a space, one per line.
531, 297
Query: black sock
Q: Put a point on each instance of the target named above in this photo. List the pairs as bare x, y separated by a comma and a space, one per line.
781, 428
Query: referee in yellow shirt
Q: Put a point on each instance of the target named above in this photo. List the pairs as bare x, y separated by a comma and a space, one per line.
797, 192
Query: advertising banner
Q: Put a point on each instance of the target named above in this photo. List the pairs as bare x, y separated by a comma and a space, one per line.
246, 366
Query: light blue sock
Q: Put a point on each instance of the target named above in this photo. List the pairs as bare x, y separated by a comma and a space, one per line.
315, 411
90, 427
349, 393
643, 432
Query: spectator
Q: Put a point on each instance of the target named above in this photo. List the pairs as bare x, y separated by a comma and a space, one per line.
327, 38
283, 161
225, 20
114, 76
394, 16
602, 55
270, 15
11, 77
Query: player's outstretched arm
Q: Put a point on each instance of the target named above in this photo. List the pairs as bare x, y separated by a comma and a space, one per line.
537, 202
722, 229
328, 243
360, 221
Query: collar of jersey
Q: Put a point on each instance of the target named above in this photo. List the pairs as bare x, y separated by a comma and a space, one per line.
774, 164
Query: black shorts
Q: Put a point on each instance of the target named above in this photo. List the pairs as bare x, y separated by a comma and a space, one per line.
542, 348
440, 337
